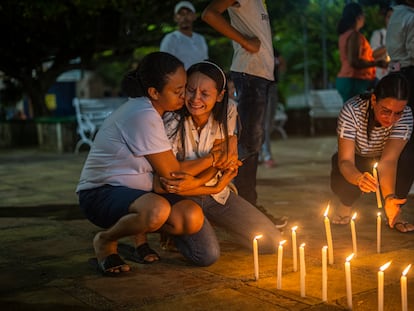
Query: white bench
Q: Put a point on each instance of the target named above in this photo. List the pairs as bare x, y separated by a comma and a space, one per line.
90, 114
324, 104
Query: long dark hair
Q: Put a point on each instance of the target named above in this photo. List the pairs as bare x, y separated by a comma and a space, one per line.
219, 110
394, 85
152, 71
349, 16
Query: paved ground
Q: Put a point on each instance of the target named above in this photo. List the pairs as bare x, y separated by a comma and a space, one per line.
45, 245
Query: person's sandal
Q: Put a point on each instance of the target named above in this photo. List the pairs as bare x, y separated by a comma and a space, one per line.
142, 252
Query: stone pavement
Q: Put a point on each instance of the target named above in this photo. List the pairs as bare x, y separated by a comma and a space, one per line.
45, 244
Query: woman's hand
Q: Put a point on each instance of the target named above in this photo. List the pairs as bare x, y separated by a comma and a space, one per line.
367, 183
179, 182
393, 209
225, 179
222, 159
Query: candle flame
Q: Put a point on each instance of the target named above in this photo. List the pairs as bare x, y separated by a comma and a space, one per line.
326, 211
354, 216
406, 270
302, 245
325, 247
294, 228
282, 242
375, 165
258, 236
349, 257
379, 214
385, 266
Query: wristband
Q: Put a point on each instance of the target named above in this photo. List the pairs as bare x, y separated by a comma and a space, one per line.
390, 196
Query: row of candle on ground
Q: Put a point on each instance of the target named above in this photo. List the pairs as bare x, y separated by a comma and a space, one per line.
403, 279
353, 234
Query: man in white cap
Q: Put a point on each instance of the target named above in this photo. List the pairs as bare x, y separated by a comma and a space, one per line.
188, 46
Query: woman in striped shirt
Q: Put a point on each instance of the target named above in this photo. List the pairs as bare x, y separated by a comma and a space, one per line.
374, 128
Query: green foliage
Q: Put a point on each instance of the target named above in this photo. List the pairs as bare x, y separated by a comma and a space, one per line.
111, 36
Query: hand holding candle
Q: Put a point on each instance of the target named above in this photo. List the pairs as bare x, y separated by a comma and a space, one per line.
348, 281
403, 281
328, 236
256, 257
294, 249
353, 234
377, 192
279, 264
381, 286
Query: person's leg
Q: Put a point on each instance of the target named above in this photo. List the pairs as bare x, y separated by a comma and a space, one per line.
193, 235
186, 217
201, 248
405, 172
116, 209
266, 152
346, 192
243, 221
252, 93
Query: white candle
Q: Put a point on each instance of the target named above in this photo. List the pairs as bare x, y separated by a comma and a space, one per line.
302, 269
279, 264
294, 249
348, 280
328, 236
256, 257
377, 192
381, 286
324, 274
403, 281
379, 233
353, 234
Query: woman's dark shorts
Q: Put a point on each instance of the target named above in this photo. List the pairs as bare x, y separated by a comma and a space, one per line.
105, 205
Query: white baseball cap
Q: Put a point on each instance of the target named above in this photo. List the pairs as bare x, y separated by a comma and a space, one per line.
184, 4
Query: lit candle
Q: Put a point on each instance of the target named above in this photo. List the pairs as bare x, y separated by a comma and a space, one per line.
348, 280
256, 257
377, 192
329, 236
324, 274
302, 269
379, 233
403, 281
294, 249
353, 233
381, 286
279, 264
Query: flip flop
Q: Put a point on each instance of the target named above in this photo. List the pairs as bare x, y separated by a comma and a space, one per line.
401, 226
109, 266
341, 220
138, 254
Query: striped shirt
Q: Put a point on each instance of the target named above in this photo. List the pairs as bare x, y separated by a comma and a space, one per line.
353, 122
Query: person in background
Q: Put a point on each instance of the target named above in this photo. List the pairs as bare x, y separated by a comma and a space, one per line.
208, 116
185, 44
374, 128
400, 47
116, 184
357, 73
266, 156
252, 73
377, 43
